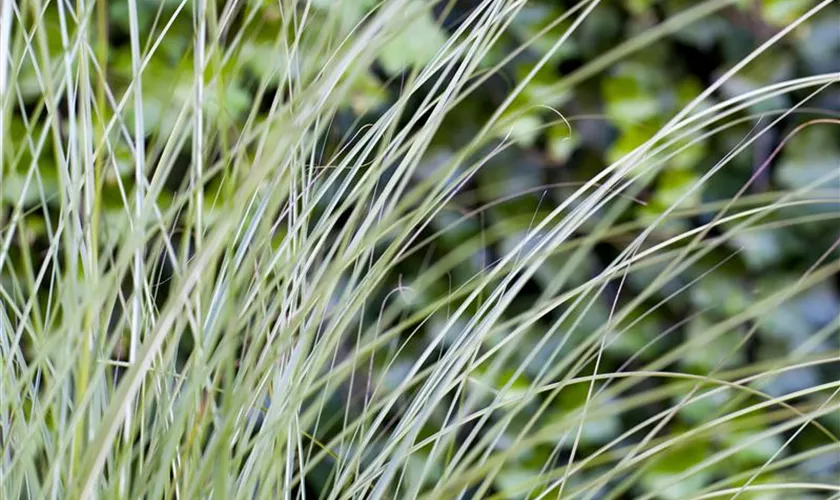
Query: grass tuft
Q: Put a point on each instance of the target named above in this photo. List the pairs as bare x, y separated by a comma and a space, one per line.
217, 289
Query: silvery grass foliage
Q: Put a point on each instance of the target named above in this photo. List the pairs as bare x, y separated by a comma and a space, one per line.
244, 337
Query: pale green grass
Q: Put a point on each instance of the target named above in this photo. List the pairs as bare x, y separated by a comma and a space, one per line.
278, 258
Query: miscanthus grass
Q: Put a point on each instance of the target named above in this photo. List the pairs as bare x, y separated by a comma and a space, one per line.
247, 332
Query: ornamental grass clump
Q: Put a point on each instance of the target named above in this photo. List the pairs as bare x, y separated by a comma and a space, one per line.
255, 250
